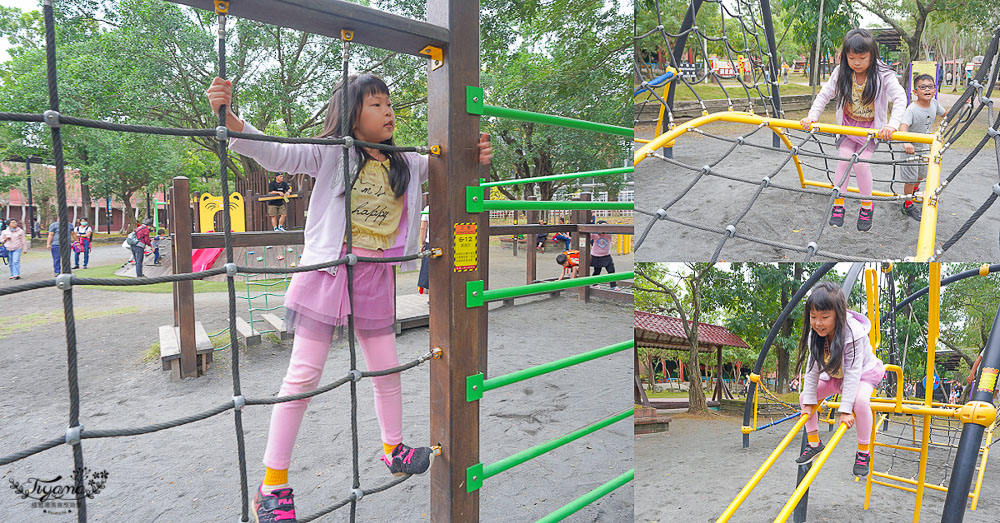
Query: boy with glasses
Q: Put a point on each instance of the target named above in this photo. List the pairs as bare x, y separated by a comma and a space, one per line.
918, 118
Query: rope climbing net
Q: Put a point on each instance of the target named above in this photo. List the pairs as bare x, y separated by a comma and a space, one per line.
65, 282
755, 70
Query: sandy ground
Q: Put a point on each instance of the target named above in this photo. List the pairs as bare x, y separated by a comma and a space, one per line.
191, 472
794, 217
693, 472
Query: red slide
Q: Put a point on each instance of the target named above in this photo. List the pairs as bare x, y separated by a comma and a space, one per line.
202, 259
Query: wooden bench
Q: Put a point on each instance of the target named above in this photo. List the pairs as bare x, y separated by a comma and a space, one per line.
170, 349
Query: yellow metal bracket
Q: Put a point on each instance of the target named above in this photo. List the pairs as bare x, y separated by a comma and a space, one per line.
978, 412
221, 7
984, 269
746, 429
436, 54
436, 150
347, 35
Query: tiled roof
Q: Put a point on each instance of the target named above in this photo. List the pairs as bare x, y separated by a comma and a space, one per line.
655, 330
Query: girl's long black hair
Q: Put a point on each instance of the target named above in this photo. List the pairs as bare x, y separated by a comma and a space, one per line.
359, 86
825, 296
859, 41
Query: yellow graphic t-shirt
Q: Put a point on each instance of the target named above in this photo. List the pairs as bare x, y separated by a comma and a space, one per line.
857, 109
375, 210
826, 361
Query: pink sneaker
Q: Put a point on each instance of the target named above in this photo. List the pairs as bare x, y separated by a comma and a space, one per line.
406, 460
274, 507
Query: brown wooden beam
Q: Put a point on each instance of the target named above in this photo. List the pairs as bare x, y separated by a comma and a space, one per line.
183, 290
460, 331
327, 17
605, 228
217, 240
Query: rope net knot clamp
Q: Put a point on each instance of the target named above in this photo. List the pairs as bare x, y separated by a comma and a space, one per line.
755, 378
436, 353
64, 282
984, 269
706, 169
355, 375
812, 247
985, 101
73, 435
730, 230
992, 133
348, 142
746, 429
356, 494
230, 269
436, 54
221, 133
661, 214
347, 35
351, 258
978, 412
221, 7
51, 118
239, 402
766, 181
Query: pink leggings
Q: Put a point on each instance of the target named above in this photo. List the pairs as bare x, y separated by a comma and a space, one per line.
309, 352
862, 407
862, 171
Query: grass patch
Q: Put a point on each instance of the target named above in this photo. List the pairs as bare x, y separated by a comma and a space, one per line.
26, 322
108, 271
152, 353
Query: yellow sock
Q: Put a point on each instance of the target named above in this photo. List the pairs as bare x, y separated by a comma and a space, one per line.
813, 439
275, 477
866, 203
839, 201
388, 448
863, 448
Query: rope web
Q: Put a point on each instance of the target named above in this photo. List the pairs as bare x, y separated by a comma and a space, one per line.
76, 433
745, 33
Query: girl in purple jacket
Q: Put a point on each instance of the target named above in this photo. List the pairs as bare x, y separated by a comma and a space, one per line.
863, 87
840, 361
385, 219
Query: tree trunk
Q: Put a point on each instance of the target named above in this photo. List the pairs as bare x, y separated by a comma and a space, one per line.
696, 396
128, 223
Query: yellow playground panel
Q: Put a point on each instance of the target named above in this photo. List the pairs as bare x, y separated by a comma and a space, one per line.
928, 222
926, 411
623, 244
209, 205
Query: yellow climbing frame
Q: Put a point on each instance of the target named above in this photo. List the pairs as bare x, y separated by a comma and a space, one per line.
928, 222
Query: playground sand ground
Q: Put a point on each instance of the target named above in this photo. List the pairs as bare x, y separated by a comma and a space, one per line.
795, 218
191, 472
695, 470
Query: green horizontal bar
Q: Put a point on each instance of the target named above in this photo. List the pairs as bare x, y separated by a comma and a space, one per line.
474, 105
476, 295
555, 177
476, 387
479, 472
588, 498
527, 205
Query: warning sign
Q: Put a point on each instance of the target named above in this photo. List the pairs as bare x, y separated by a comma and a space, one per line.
988, 380
466, 247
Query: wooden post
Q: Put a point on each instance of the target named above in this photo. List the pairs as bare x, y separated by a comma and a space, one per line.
530, 252
718, 377
193, 211
249, 206
184, 290
460, 331
583, 217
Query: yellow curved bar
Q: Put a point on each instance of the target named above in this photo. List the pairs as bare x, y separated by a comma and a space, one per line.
742, 117
742, 496
982, 467
786, 511
929, 211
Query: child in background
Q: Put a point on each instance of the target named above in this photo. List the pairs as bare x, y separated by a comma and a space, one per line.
918, 118
540, 238
600, 254
570, 262
156, 245
562, 236
317, 302
840, 361
863, 87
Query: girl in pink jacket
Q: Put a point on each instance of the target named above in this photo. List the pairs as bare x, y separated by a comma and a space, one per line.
840, 361
863, 87
385, 221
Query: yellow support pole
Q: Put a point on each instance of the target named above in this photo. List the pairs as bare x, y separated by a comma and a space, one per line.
870, 294
933, 321
789, 507
742, 496
929, 212
982, 465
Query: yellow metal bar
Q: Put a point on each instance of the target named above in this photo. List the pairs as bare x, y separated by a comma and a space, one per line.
878, 314
982, 466
898, 447
922, 411
870, 294
929, 212
828, 185
747, 118
932, 486
795, 158
731, 509
871, 459
933, 325
811, 475
894, 486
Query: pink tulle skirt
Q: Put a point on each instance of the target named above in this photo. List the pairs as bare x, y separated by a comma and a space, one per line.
322, 296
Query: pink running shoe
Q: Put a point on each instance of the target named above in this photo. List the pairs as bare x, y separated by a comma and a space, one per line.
274, 507
406, 460
837, 216
865, 219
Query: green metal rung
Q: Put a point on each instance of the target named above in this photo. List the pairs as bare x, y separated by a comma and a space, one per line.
475, 386
557, 205
474, 198
588, 498
476, 474
474, 105
555, 177
476, 294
